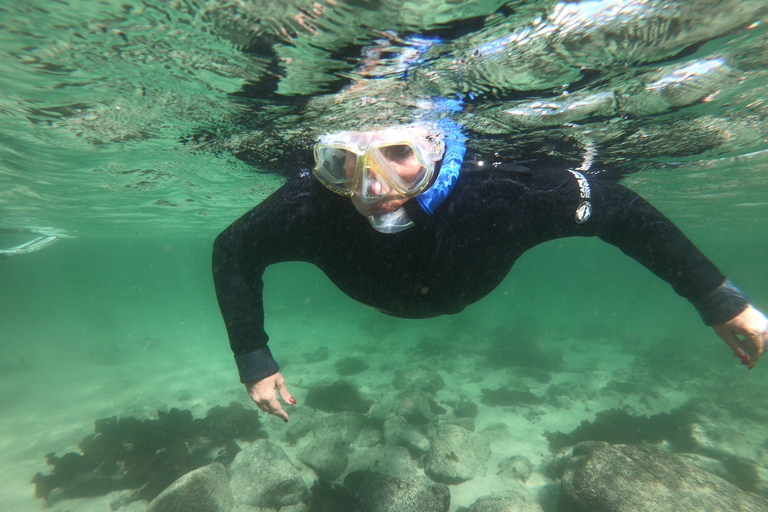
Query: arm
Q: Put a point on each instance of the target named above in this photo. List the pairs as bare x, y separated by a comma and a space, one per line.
269, 233
624, 219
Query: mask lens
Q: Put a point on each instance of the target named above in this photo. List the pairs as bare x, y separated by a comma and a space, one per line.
402, 167
331, 168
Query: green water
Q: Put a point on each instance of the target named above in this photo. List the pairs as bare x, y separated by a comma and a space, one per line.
126, 133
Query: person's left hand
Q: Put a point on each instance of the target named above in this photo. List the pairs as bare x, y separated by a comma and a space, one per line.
746, 334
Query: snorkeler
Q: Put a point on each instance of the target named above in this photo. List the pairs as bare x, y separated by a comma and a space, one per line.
389, 218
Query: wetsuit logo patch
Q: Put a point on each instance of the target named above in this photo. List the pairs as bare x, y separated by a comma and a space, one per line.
583, 184
583, 212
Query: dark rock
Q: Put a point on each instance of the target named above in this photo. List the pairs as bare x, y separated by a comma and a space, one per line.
203, 490
389, 460
615, 426
342, 428
233, 422
331, 497
456, 455
337, 396
350, 366
418, 379
515, 468
326, 458
565, 394
370, 435
465, 409
384, 493
415, 406
398, 432
626, 478
317, 356
555, 466
507, 397
300, 425
687, 429
507, 501
262, 476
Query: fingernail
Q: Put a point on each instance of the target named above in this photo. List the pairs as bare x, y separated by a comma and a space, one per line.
744, 359
292, 400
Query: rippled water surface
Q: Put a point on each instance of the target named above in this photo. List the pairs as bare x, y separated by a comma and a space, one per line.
122, 115
133, 132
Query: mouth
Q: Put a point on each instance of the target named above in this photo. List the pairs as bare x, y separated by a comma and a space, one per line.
385, 206
389, 206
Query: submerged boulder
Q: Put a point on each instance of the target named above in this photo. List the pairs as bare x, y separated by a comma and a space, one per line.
418, 379
415, 406
456, 455
326, 458
262, 476
639, 478
398, 432
389, 460
203, 490
515, 468
507, 501
376, 492
342, 428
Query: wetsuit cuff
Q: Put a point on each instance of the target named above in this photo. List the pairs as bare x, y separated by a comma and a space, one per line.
722, 304
256, 365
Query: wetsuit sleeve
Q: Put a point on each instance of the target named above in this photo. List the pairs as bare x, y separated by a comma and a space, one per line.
622, 218
267, 234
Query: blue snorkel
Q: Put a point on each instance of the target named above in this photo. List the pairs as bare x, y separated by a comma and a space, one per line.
448, 174
453, 155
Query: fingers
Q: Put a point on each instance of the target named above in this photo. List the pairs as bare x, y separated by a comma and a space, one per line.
746, 334
264, 396
273, 407
735, 344
283, 390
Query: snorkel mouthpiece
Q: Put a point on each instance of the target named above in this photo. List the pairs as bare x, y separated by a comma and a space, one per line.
391, 222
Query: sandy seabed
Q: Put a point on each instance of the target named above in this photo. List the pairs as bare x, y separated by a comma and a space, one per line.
51, 400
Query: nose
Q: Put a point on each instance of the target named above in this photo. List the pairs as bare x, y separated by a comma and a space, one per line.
373, 186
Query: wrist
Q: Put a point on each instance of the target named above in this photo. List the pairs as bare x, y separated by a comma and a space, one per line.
722, 304
256, 365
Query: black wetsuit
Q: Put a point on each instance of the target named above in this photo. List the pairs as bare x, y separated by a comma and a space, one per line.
450, 259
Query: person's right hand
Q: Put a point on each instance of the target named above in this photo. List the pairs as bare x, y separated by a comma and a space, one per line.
264, 393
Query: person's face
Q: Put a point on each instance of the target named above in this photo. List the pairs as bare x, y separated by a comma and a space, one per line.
402, 160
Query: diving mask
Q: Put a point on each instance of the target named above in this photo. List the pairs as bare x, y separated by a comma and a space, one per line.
379, 164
